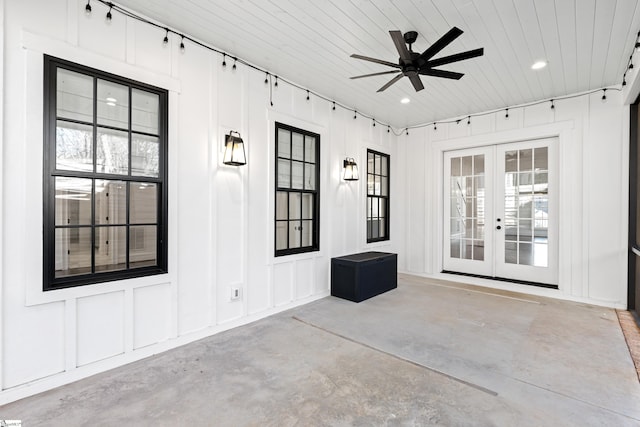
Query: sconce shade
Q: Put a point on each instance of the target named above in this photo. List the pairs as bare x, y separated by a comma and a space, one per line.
350, 170
234, 150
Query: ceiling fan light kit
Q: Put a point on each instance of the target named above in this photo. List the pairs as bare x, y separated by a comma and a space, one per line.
413, 64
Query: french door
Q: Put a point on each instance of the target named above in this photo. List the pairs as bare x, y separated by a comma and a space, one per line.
501, 211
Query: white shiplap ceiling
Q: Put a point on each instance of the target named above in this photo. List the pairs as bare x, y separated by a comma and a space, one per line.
587, 44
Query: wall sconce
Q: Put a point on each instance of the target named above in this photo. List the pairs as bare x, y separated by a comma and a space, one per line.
234, 150
350, 169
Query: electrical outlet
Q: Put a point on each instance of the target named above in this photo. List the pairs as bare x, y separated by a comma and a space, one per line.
236, 293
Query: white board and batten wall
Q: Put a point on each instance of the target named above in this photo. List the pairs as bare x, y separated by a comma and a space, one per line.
593, 191
221, 229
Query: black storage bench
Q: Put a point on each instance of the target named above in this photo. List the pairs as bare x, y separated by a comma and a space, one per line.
361, 276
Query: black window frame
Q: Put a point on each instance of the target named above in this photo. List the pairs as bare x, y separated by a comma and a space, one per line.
378, 198
315, 243
50, 172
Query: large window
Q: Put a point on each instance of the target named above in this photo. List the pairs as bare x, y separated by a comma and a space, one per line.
377, 196
105, 165
297, 224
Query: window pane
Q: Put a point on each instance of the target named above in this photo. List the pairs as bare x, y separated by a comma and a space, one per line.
454, 248
525, 254
284, 143
511, 161
73, 251
526, 160
511, 252
309, 149
145, 158
111, 202
296, 174
284, 173
385, 168
110, 248
384, 186
376, 185
455, 166
478, 250
294, 234
370, 157
281, 235
294, 205
478, 164
297, 146
113, 104
143, 205
541, 158
377, 166
307, 206
467, 166
74, 147
281, 205
370, 184
73, 201
74, 95
374, 228
382, 230
309, 177
144, 111
112, 152
143, 246
307, 233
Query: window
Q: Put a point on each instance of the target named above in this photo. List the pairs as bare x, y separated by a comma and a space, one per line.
297, 190
105, 165
377, 196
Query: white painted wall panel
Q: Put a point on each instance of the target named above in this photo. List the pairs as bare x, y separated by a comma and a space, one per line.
150, 51
97, 34
282, 283
304, 278
151, 315
100, 327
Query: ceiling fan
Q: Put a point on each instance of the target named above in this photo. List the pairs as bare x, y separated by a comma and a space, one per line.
413, 64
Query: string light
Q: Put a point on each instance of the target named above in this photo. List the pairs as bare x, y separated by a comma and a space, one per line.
224, 59
109, 16
234, 63
276, 84
624, 81
407, 131
374, 122
307, 94
355, 114
266, 78
506, 114
631, 62
604, 95
435, 128
87, 8
334, 106
468, 120
388, 128
552, 106
182, 43
166, 36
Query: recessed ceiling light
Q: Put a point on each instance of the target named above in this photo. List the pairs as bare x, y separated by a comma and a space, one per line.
538, 65
405, 100
111, 101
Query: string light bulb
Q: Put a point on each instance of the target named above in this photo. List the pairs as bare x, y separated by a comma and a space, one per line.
334, 106
109, 16
506, 114
182, 44
435, 127
266, 78
276, 84
374, 122
224, 59
355, 114
468, 120
552, 105
624, 81
407, 131
166, 37
87, 8
604, 95
234, 63
307, 94
631, 62
388, 128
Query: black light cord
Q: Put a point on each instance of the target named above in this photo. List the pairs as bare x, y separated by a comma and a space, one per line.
400, 131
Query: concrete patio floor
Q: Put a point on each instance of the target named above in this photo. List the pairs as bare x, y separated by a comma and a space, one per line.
428, 353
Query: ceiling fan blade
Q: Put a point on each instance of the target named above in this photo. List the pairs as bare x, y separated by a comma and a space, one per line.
375, 74
377, 61
455, 58
441, 73
441, 43
392, 81
401, 46
416, 82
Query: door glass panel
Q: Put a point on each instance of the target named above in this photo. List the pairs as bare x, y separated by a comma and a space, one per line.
478, 250
467, 248
455, 166
467, 165
526, 207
